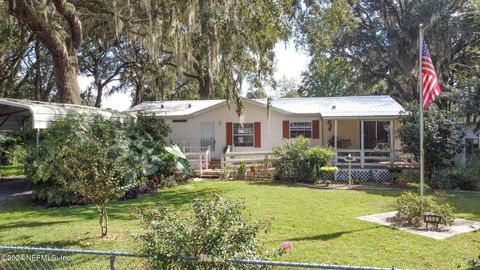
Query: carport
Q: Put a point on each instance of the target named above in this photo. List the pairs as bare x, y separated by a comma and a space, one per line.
15, 114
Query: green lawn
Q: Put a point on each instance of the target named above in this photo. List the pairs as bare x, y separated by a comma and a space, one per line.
11, 170
320, 223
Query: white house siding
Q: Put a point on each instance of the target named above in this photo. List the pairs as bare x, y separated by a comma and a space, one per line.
469, 129
189, 133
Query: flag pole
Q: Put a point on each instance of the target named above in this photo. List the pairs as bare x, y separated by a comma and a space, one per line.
420, 91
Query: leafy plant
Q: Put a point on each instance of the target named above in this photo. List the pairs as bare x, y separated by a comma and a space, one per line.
442, 136
242, 169
296, 161
454, 178
213, 230
12, 149
410, 208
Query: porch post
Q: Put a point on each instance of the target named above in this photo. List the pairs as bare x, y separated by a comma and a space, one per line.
392, 141
362, 145
335, 141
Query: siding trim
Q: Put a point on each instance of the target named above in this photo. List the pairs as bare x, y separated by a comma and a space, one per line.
229, 133
316, 129
286, 129
257, 135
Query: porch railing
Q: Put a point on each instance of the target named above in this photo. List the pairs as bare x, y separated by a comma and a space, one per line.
198, 157
233, 159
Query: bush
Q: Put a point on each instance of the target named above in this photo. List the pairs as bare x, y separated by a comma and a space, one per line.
410, 208
12, 149
453, 178
296, 161
214, 229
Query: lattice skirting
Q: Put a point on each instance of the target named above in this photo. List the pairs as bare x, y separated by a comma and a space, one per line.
378, 175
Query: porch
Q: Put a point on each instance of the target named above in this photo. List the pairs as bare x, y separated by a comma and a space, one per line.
369, 143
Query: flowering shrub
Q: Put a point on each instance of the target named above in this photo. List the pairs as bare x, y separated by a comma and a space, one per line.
213, 230
411, 206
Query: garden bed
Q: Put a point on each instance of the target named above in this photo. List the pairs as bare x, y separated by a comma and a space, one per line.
459, 226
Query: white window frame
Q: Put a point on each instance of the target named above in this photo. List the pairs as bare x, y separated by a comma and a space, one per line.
241, 133
301, 126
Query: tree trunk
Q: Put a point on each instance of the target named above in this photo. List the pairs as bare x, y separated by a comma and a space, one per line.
38, 72
205, 84
138, 93
53, 35
65, 68
102, 208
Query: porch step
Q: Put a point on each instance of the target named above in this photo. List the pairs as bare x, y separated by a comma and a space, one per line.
212, 174
215, 164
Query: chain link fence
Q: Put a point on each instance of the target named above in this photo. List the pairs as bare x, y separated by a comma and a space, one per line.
15, 257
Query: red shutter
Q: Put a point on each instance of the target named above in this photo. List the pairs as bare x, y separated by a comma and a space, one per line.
315, 129
286, 129
257, 135
229, 133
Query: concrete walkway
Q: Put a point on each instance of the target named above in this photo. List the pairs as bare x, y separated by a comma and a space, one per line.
459, 226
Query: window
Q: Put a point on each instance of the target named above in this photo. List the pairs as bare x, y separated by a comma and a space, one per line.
471, 144
377, 134
300, 129
243, 135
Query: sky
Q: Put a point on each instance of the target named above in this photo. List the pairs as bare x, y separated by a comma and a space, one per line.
290, 64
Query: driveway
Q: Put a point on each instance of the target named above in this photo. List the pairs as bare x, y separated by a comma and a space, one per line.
14, 187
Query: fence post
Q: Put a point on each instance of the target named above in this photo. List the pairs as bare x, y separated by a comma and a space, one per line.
112, 262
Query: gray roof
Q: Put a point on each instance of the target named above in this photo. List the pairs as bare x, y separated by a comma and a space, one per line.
327, 107
339, 107
176, 107
13, 112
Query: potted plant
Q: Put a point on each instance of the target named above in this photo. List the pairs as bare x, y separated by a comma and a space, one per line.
242, 169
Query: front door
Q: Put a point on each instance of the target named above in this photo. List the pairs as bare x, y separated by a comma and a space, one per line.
208, 136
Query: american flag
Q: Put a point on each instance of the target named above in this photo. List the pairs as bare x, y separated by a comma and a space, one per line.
431, 87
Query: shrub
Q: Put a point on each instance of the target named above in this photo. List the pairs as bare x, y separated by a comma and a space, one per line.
291, 161
12, 149
453, 178
410, 208
214, 229
296, 161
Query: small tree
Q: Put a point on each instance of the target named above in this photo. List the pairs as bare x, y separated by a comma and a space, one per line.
102, 166
442, 137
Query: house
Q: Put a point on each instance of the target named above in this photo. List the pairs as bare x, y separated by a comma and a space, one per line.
471, 142
361, 126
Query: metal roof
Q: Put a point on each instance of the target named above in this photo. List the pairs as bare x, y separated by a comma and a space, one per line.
339, 107
176, 107
327, 107
14, 112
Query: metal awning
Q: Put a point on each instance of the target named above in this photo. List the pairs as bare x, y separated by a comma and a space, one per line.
15, 113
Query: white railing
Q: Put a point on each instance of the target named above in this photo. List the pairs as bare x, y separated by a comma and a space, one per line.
373, 157
200, 159
232, 159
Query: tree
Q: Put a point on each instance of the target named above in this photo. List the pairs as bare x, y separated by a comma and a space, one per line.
380, 38
98, 61
327, 78
286, 87
442, 137
258, 93
59, 29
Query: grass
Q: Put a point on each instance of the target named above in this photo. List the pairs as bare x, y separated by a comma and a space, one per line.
11, 170
321, 224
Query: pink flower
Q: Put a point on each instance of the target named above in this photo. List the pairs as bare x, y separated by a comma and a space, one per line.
203, 257
287, 245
